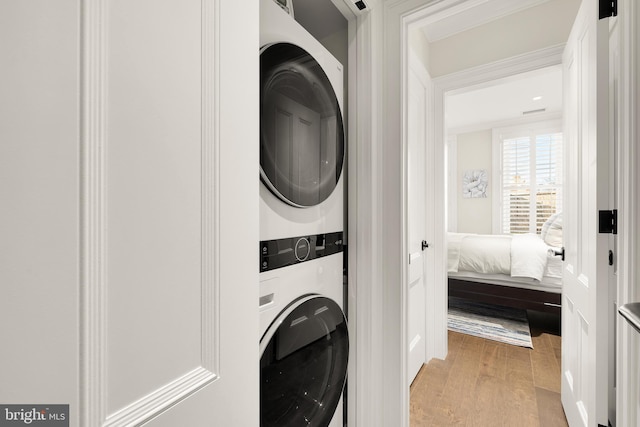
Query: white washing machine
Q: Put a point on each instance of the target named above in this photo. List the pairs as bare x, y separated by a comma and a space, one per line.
304, 345
304, 339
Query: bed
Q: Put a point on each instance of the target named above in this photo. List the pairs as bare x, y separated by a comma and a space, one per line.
521, 271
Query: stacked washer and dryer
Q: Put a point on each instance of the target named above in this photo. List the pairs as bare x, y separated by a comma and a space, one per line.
304, 341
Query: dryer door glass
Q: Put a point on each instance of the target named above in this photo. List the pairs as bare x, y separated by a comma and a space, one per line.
302, 137
304, 366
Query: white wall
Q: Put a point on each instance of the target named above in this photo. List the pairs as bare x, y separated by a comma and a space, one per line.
420, 45
503, 38
39, 180
474, 152
531, 29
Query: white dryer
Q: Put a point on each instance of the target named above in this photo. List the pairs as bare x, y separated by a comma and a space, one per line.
304, 339
302, 134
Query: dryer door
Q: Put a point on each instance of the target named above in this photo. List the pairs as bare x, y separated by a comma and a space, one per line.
302, 137
303, 364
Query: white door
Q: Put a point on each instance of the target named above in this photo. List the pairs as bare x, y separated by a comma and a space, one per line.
586, 278
129, 180
417, 97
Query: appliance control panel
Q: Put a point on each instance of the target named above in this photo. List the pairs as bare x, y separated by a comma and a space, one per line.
293, 250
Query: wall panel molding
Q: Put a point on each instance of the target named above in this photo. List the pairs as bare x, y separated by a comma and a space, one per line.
93, 209
210, 185
161, 400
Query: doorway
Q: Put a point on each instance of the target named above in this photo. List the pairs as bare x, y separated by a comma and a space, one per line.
451, 84
476, 371
454, 83
501, 66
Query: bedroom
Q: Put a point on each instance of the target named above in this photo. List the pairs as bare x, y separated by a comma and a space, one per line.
505, 191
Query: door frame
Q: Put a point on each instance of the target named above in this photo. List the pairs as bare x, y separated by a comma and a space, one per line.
377, 217
378, 265
628, 340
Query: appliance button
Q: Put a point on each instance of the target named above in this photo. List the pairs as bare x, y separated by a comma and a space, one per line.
303, 248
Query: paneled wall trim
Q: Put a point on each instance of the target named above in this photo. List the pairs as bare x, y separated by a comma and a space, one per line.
95, 231
92, 228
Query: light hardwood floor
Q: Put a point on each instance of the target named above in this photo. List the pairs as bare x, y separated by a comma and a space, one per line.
486, 383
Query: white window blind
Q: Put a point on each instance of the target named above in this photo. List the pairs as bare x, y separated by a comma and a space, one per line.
531, 181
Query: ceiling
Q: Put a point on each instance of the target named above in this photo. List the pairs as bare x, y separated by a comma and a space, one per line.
505, 99
470, 14
321, 18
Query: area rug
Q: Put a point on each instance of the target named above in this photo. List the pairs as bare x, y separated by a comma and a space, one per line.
493, 322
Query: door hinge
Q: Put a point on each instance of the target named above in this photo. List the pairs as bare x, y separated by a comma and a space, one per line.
608, 8
608, 222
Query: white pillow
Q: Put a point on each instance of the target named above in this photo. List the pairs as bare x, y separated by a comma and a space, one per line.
551, 231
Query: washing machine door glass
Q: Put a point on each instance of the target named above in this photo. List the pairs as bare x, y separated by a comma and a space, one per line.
302, 137
303, 367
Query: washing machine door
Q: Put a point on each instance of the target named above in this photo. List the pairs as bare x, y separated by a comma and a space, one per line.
303, 364
302, 135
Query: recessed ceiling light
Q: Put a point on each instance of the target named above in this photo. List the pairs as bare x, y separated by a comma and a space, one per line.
537, 98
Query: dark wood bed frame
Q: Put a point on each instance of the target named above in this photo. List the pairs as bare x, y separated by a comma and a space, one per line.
527, 299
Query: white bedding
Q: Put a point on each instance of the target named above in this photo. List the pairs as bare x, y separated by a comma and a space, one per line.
517, 256
485, 255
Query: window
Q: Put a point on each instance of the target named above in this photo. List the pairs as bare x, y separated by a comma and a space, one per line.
530, 178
